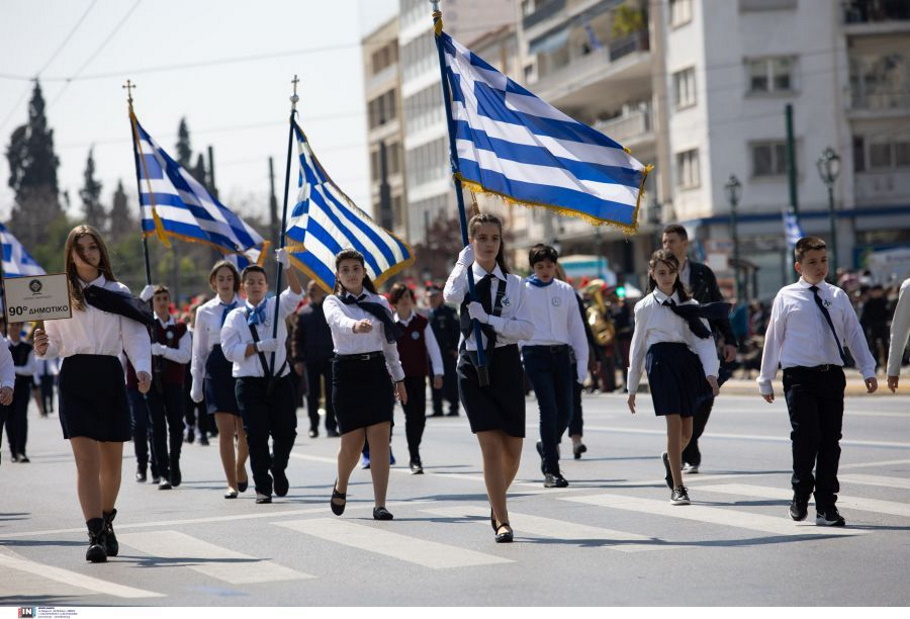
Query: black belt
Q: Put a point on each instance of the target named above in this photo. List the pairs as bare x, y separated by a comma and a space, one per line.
551, 348
369, 356
825, 367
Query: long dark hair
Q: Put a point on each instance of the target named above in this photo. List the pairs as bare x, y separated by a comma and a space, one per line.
104, 265
489, 218
352, 254
672, 262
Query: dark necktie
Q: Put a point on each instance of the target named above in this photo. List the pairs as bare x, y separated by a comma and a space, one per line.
827, 314
256, 314
227, 309
482, 292
392, 331
693, 314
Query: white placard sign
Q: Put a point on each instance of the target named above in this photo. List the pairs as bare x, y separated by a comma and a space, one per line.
37, 297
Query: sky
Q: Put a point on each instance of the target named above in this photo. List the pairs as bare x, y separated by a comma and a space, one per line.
226, 66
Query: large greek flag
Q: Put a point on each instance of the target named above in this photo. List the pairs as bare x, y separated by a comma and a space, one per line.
325, 221
16, 260
792, 229
515, 145
176, 205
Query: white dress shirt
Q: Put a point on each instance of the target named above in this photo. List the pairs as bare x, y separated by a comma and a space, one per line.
554, 312
431, 343
656, 324
514, 325
30, 367
95, 332
236, 336
799, 335
182, 353
900, 330
342, 318
207, 334
7, 371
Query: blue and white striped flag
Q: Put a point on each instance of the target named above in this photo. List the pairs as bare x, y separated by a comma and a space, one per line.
176, 205
792, 230
325, 221
512, 144
16, 260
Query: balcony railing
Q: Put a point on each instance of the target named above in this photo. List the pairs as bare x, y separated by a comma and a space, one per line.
635, 42
871, 11
545, 10
629, 126
864, 100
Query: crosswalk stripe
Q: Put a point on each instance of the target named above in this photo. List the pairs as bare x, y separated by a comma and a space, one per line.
877, 480
865, 505
209, 559
404, 547
70, 579
561, 529
711, 515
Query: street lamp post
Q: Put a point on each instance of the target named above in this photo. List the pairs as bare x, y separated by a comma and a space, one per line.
734, 189
828, 169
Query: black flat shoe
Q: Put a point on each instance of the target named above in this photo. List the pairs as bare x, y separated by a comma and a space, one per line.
243, 485
339, 496
381, 513
504, 534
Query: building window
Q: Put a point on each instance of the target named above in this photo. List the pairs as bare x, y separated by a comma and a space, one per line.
383, 108
766, 5
684, 88
687, 169
881, 154
771, 74
680, 12
769, 159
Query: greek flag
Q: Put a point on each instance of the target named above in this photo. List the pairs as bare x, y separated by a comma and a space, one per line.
16, 260
176, 205
792, 230
325, 221
512, 144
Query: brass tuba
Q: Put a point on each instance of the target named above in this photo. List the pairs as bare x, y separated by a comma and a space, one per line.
598, 314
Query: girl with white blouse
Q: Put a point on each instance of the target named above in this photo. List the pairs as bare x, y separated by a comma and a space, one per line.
674, 342
93, 409
212, 379
365, 366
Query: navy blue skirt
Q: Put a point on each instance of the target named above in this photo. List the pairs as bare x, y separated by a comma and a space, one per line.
218, 384
501, 404
93, 401
676, 379
362, 392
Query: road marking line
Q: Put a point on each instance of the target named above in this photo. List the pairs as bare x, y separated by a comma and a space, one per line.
13, 561
209, 559
562, 529
864, 505
877, 480
404, 547
711, 515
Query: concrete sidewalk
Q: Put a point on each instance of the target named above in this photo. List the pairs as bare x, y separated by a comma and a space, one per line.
855, 385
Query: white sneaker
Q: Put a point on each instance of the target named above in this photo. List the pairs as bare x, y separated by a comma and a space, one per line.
680, 496
691, 469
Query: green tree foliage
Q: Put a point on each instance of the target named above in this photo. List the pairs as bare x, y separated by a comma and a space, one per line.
123, 223
184, 149
91, 196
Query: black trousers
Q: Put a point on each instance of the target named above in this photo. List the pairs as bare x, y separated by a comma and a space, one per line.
415, 414
142, 431
815, 401
315, 371
577, 421
449, 391
691, 454
267, 413
47, 392
17, 416
166, 414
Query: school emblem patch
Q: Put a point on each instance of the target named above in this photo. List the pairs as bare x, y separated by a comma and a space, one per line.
506, 301
556, 301
415, 335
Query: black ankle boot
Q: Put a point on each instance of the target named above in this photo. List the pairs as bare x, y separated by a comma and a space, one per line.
95, 552
110, 543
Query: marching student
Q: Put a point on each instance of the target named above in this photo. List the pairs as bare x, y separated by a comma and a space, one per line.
312, 349
7, 382
93, 411
673, 340
900, 332
444, 321
557, 347
264, 387
213, 379
495, 411
24, 367
810, 321
420, 357
171, 344
366, 356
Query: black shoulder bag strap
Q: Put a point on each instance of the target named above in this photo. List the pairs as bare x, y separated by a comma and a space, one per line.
265, 364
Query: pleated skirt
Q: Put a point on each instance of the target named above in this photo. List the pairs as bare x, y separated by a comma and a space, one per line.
501, 404
93, 401
676, 379
362, 393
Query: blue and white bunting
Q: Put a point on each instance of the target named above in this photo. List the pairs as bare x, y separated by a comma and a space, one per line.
793, 231
325, 221
16, 260
176, 205
513, 144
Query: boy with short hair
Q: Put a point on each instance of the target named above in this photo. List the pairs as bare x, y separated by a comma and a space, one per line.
548, 356
810, 321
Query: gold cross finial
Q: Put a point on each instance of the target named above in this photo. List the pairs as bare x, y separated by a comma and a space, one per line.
129, 90
294, 97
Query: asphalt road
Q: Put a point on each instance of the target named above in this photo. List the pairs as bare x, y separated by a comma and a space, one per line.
610, 539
